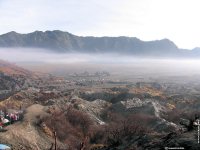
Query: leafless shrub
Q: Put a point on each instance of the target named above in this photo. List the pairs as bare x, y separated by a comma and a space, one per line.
71, 126
79, 120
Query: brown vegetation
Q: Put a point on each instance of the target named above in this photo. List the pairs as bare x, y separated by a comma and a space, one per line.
71, 127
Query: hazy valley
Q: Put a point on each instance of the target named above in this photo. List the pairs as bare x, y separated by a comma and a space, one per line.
99, 75
104, 103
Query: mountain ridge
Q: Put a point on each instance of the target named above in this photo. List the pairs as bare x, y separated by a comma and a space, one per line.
59, 41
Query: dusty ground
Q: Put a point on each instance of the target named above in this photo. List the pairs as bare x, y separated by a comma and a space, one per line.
26, 134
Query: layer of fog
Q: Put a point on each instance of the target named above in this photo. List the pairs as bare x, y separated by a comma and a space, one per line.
46, 61
28, 55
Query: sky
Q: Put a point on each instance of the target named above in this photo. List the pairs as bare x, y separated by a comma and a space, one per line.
177, 20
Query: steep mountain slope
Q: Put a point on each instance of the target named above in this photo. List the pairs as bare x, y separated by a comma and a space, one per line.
59, 41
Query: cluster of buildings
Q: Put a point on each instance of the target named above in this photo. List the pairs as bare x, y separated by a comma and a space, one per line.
9, 117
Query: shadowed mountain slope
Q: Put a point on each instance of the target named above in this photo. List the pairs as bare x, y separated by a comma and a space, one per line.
59, 41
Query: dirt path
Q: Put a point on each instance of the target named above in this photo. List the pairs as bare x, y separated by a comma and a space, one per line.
26, 134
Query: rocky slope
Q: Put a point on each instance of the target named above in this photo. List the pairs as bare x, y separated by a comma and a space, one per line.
27, 135
13, 79
136, 116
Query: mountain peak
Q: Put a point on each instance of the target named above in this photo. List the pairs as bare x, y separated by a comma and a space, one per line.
11, 33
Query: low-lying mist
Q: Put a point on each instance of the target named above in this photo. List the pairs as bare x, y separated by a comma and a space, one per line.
65, 63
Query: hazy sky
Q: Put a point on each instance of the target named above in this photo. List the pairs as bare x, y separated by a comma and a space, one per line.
177, 20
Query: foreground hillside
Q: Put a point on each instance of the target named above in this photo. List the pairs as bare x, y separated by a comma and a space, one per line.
99, 114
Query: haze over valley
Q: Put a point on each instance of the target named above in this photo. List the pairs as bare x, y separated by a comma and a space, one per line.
56, 49
106, 88
99, 75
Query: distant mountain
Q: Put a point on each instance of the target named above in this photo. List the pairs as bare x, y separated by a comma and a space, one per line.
59, 41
